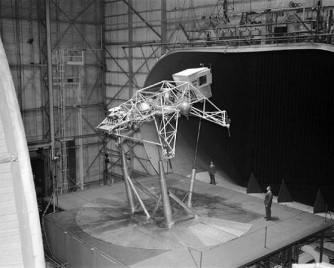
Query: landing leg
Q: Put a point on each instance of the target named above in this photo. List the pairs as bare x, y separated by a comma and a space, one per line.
128, 189
165, 198
190, 196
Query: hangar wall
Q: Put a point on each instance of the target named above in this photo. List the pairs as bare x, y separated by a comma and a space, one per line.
121, 41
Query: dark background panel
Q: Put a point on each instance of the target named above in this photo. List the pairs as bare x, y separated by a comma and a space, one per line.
281, 106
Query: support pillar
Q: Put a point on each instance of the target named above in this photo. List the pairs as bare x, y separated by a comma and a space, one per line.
321, 247
192, 181
79, 144
165, 197
186, 208
138, 197
50, 79
128, 189
163, 26
193, 171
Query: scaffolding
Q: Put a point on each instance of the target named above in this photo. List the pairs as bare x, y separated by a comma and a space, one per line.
66, 80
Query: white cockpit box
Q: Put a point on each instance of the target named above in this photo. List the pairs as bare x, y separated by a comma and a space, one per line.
200, 78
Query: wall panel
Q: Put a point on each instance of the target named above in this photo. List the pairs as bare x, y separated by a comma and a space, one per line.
94, 93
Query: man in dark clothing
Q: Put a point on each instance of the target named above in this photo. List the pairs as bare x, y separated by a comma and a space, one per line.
267, 202
212, 172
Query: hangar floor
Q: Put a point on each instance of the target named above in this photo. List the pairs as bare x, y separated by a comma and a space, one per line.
229, 232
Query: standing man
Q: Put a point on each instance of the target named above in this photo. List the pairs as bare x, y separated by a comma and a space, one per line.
212, 172
268, 198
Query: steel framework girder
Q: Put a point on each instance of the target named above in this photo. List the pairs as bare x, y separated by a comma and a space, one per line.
161, 103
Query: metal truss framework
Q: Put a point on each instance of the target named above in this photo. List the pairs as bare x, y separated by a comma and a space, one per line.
161, 103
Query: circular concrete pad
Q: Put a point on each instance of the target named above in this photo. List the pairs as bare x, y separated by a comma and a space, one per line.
111, 221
